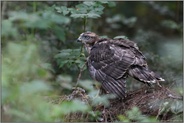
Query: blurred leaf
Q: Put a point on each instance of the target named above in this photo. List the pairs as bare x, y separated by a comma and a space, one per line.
21, 15
24, 68
70, 57
89, 15
104, 36
100, 99
93, 15
37, 20
47, 66
95, 98
114, 19
83, 10
74, 106
64, 81
20, 114
94, 115
87, 84
112, 3
173, 50
170, 24
89, 3
136, 115
118, 18
8, 29
54, 18
129, 21
78, 15
123, 118
177, 107
62, 9
34, 87
121, 37
59, 33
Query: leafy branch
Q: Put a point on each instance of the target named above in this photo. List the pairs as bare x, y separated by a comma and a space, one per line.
84, 10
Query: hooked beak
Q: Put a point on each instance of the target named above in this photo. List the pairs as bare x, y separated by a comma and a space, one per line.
78, 40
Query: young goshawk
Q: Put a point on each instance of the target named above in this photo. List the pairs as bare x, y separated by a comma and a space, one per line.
111, 61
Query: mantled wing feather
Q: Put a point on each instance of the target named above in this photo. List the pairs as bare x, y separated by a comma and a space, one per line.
139, 70
111, 60
108, 64
140, 59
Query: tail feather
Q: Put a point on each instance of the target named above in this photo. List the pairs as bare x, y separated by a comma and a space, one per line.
116, 87
145, 75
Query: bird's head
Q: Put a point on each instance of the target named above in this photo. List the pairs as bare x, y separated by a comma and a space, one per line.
88, 38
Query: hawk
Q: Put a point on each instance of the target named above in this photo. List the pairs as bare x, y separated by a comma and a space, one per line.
111, 61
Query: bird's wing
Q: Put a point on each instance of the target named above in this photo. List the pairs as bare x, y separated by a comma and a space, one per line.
139, 69
108, 63
140, 59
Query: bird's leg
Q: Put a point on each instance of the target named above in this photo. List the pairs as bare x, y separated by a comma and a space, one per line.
101, 90
98, 93
158, 84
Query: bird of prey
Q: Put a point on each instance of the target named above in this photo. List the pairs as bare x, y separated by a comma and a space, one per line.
111, 61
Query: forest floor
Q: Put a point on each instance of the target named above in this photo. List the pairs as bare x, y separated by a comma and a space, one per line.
159, 102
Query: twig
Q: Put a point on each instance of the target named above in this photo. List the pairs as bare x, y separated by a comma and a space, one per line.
174, 97
80, 73
85, 22
82, 68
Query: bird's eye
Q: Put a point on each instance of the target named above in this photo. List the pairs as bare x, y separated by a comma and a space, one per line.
86, 37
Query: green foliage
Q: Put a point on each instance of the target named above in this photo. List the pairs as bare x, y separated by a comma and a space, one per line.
95, 98
83, 10
23, 80
118, 19
176, 107
122, 37
135, 115
41, 20
8, 29
70, 57
25, 87
65, 82
23, 54
35, 20
73, 106
170, 24
33, 71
